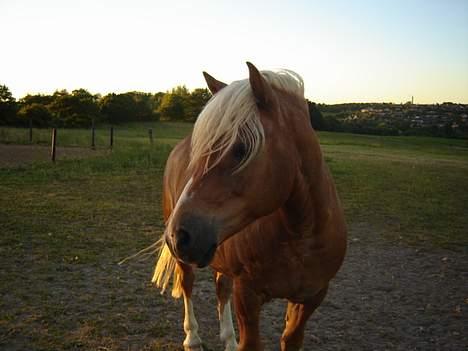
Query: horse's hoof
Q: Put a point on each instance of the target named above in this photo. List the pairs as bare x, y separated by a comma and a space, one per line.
232, 347
194, 348
193, 342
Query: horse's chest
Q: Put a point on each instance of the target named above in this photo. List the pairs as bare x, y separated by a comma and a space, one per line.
274, 268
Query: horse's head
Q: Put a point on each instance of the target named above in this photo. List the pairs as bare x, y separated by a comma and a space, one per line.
243, 161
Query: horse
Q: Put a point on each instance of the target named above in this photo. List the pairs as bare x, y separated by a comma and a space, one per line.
248, 193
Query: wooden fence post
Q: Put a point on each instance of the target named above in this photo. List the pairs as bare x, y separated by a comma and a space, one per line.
30, 130
111, 137
54, 143
150, 134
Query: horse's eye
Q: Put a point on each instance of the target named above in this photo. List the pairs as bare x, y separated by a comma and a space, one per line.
239, 151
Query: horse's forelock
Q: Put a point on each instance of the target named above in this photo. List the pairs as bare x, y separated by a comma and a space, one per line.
232, 115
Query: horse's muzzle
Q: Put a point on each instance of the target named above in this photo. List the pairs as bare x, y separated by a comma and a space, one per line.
193, 240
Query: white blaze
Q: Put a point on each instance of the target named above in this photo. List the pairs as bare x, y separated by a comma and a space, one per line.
192, 340
226, 332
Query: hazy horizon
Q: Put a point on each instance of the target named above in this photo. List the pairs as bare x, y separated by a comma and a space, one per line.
357, 51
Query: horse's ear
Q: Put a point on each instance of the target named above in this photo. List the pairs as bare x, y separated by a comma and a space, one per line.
260, 87
213, 84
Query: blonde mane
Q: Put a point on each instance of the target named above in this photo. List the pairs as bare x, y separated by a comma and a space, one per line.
232, 115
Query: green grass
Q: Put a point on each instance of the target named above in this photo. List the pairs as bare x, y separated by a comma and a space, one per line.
401, 146
64, 227
412, 188
124, 135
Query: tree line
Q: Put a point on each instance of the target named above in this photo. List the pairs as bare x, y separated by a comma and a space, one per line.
80, 108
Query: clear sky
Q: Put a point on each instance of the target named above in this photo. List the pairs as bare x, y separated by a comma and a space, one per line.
346, 51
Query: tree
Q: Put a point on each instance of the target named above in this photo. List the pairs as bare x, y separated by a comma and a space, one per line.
195, 103
77, 109
5, 95
172, 107
157, 98
8, 106
130, 107
37, 113
36, 99
316, 118
35, 107
180, 104
142, 107
119, 108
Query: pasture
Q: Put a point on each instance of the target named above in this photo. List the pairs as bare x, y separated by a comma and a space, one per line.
65, 226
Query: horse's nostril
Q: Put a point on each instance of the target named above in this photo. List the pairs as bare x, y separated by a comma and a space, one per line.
183, 239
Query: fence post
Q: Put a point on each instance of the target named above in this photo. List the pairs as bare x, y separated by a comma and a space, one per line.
54, 143
150, 134
30, 130
93, 133
111, 137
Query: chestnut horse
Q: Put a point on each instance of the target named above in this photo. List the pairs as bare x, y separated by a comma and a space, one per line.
249, 194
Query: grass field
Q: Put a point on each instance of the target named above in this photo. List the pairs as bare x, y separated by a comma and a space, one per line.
124, 135
414, 186
63, 221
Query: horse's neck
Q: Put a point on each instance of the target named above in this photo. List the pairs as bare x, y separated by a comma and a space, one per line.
308, 205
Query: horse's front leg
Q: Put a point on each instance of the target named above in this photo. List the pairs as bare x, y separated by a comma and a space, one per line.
296, 318
226, 327
248, 305
192, 340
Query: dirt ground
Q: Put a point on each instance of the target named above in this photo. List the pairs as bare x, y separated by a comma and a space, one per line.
386, 297
17, 155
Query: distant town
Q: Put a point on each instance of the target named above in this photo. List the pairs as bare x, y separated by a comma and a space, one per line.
446, 119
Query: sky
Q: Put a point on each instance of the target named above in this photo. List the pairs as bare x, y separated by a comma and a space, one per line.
346, 51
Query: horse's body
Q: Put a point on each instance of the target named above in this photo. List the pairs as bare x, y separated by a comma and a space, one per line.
288, 244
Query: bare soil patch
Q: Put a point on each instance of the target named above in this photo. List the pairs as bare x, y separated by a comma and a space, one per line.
388, 296
12, 155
